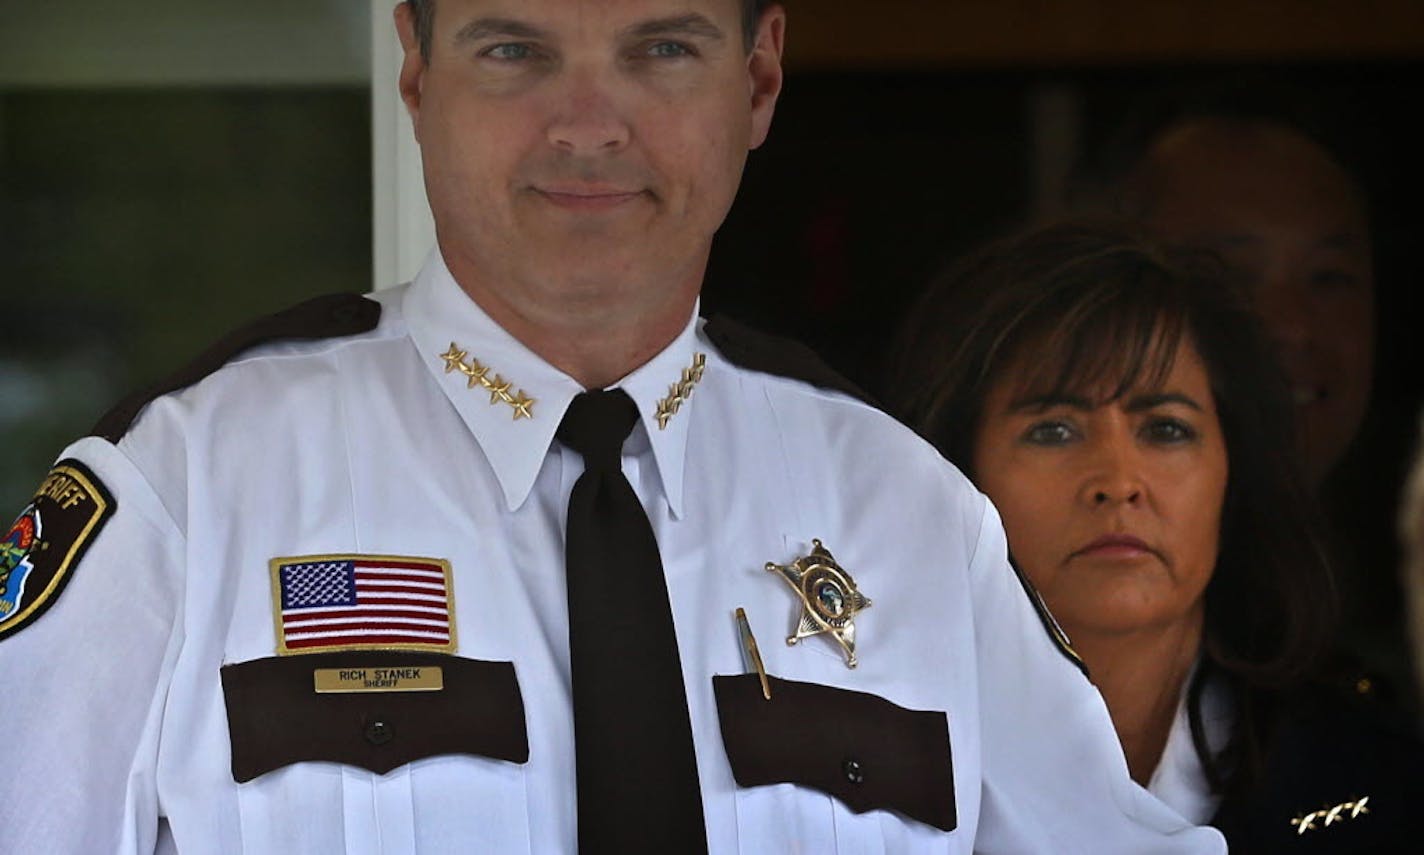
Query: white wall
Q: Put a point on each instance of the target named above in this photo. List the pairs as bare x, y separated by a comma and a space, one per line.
403, 231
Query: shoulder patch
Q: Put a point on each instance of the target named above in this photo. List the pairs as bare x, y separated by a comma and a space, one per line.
331, 316
45, 543
759, 351
1055, 632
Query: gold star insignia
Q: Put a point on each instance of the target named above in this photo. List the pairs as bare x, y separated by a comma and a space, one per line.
498, 389
478, 376
679, 392
476, 372
1330, 815
521, 406
829, 598
454, 358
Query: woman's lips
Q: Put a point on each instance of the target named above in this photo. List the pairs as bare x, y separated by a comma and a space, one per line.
1115, 546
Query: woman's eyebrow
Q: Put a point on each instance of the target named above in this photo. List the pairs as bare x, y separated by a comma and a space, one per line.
1138, 403
1039, 403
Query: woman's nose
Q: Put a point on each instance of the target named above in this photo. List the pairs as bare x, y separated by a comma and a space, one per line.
1114, 479
1115, 493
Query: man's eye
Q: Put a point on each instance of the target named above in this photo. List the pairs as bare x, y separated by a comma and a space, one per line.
670, 50
1049, 433
509, 52
1332, 280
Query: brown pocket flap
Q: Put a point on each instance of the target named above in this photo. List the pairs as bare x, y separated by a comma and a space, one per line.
276, 717
859, 748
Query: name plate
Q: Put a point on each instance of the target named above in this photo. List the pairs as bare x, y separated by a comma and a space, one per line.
422, 678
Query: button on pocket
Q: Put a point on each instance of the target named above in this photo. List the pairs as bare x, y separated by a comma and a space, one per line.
854, 773
378, 732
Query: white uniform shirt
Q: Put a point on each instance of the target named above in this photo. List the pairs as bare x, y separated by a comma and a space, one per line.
115, 713
1179, 779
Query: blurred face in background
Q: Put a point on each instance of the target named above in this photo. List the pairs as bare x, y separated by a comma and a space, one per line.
1112, 508
1292, 228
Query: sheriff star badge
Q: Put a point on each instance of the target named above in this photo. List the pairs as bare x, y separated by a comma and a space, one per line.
829, 598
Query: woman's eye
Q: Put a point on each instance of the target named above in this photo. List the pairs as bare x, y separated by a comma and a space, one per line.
1169, 431
1049, 433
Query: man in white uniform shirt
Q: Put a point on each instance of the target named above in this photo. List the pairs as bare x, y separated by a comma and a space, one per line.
326, 590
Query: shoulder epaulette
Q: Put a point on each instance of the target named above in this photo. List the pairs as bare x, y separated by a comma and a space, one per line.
331, 316
769, 354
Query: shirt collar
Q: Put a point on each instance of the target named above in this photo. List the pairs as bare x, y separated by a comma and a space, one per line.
1180, 779
444, 322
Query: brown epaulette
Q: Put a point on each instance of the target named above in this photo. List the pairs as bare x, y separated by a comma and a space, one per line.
331, 316
769, 354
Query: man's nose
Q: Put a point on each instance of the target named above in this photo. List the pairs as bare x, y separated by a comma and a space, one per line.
588, 119
1282, 305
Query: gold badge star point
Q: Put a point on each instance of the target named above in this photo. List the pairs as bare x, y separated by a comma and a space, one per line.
829, 598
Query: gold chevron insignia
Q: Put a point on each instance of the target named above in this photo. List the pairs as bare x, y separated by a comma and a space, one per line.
680, 391
478, 377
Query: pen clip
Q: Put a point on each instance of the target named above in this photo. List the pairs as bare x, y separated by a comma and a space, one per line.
753, 655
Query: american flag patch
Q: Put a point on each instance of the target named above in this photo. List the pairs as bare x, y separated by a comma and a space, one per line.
362, 602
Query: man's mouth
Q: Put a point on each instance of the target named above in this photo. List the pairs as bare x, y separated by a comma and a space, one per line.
587, 197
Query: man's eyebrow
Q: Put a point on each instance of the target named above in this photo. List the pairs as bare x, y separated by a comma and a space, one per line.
1139, 403
693, 24
1230, 240
484, 28
1343, 240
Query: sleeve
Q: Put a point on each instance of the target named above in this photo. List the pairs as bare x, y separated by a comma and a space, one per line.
84, 678
1054, 775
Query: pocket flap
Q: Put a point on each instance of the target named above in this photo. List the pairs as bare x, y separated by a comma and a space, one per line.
862, 749
277, 718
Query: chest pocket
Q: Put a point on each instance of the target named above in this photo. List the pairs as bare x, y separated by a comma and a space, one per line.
832, 770
395, 771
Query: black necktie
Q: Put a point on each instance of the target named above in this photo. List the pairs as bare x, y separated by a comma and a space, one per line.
637, 772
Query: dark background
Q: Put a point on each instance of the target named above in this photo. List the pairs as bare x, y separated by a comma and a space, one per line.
871, 182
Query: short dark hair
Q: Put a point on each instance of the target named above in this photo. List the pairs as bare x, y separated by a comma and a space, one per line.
1106, 177
1094, 307
424, 11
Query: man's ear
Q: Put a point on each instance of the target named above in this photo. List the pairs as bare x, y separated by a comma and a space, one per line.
412, 71
764, 71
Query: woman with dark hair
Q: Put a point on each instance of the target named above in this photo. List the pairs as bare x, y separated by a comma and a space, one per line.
1122, 410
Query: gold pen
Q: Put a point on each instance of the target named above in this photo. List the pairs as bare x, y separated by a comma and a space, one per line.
753, 655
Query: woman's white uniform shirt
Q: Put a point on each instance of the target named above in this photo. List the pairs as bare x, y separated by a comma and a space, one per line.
1179, 779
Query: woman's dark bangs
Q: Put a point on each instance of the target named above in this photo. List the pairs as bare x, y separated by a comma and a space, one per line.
1110, 342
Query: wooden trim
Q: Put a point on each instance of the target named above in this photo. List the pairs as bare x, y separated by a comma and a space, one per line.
833, 34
